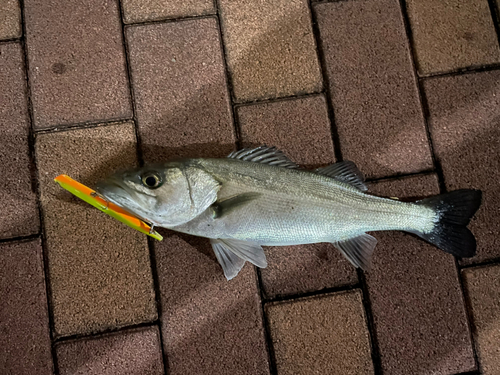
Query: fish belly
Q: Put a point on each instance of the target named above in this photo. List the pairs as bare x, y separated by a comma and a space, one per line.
278, 220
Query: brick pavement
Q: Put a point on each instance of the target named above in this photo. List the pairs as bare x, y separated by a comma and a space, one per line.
408, 89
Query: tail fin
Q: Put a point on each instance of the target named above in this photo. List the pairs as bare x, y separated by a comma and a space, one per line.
455, 210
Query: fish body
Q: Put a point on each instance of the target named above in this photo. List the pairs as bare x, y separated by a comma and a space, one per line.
296, 206
258, 197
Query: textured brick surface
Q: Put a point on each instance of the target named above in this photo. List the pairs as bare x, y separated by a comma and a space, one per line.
210, 325
19, 212
465, 129
180, 90
10, 19
483, 290
99, 268
420, 320
24, 320
448, 35
305, 268
301, 129
373, 89
270, 48
151, 10
76, 61
130, 352
321, 335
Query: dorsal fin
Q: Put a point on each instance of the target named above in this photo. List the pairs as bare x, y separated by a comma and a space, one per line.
264, 155
345, 171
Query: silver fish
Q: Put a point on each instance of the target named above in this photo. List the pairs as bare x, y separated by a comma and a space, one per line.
258, 197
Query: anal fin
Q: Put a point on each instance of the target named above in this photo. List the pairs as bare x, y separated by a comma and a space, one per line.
358, 250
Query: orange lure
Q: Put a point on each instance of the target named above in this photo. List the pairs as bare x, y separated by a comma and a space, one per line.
90, 196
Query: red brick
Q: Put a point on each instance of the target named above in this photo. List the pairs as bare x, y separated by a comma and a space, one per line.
210, 325
373, 88
270, 48
100, 273
19, 213
10, 19
417, 303
24, 318
300, 128
321, 335
136, 351
464, 125
151, 10
183, 107
305, 268
76, 62
483, 290
453, 34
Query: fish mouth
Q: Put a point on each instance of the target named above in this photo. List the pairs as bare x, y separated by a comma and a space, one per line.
113, 190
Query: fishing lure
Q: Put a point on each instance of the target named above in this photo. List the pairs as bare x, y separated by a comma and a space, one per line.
95, 199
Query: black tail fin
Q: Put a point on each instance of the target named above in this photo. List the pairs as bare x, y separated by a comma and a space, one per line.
455, 210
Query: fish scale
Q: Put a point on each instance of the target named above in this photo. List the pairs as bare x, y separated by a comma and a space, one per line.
324, 209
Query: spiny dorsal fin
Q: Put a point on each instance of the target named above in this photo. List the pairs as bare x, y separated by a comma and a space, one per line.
358, 250
264, 155
345, 171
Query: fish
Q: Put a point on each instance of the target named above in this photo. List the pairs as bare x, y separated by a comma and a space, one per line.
259, 197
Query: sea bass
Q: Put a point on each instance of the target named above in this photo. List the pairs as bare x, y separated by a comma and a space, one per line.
258, 197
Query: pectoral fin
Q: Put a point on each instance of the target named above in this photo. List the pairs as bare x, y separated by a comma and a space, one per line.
232, 255
358, 250
224, 207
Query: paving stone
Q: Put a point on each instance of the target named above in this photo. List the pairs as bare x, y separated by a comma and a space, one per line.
305, 268
417, 303
483, 290
99, 268
293, 126
153, 10
77, 66
24, 318
299, 127
183, 106
10, 19
210, 325
321, 335
450, 35
19, 215
373, 88
130, 352
464, 124
270, 48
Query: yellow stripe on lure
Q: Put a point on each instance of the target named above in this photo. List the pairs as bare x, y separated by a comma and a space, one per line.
90, 196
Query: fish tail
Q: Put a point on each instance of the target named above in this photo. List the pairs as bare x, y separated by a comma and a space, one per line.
454, 211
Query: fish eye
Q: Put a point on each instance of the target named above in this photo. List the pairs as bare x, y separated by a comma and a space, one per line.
151, 180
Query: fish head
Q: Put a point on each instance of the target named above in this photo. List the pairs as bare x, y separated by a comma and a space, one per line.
166, 195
